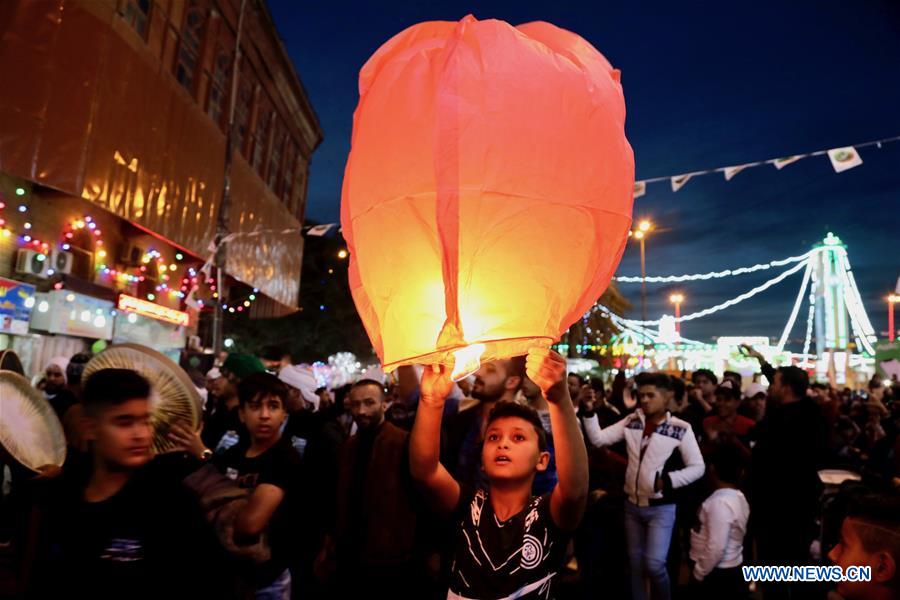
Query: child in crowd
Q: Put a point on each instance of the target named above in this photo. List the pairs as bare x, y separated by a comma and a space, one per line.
870, 537
717, 546
270, 467
509, 543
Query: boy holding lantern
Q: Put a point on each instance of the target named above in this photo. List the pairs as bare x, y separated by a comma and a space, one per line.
509, 543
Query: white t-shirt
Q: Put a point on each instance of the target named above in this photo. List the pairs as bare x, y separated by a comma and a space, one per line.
720, 541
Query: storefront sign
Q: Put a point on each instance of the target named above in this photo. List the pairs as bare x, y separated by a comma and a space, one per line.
153, 310
16, 302
161, 336
68, 313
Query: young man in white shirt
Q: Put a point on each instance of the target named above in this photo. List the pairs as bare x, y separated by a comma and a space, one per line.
717, 547
651, 436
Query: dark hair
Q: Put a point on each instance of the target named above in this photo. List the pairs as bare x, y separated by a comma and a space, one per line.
678, 387
877, 519
365, 382
76, 367
261, 385
273, 352
660, 380
729, 390
514, 409
704, 373
111, 387
515, 367
9, 361
578, 377
733, 375
795, 378
728, 463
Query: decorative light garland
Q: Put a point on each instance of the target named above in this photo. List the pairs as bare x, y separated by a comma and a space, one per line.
727, 303
793, 318
240, 306
716, 274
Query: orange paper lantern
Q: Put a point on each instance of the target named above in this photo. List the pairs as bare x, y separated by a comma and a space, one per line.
487, 196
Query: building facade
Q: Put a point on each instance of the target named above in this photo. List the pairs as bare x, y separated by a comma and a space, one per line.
112, 164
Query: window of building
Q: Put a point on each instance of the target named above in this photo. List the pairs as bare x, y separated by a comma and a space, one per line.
186, 63
220, 79
260, 136
289, 172
274, 171
137, 14
242, 108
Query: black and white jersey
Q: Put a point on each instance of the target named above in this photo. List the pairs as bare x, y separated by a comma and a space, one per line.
496, 560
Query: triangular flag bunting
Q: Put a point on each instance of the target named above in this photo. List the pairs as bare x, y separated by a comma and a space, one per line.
640, 188
678, 181
320, 230
732, 171
780, 163
843, 159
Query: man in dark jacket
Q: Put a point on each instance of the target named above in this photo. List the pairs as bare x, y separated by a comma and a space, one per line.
785, 488
374, 534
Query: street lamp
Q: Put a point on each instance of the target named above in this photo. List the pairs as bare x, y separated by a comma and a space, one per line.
677, 299
640, 234
892, 300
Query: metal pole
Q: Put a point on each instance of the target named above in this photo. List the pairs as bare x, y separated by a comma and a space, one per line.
643, 285
678, 316
222, 219
891, 321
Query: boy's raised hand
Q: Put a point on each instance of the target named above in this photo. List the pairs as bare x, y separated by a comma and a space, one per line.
436, 384
547, 369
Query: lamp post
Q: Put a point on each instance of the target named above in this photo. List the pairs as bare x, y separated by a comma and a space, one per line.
677, 299
892, 300
640, 234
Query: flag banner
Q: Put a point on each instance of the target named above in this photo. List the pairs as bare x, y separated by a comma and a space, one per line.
320, 230
780, 163
678, 182
843, 159
732, 171
640, 188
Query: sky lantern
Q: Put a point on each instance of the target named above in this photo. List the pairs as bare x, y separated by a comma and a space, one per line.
487, 195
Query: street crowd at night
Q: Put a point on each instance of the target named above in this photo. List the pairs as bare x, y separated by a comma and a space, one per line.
303, 301
294, 490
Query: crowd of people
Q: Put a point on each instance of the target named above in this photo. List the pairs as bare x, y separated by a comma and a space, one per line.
522, 481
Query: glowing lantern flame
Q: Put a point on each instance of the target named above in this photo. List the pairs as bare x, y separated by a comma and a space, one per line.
466, 361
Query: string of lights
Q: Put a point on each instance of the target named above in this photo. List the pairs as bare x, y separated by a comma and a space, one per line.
859, 320
717, 274
793, 318
728, 303
810, 319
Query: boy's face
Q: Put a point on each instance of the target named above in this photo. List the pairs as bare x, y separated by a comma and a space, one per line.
850, 552
653, 400
122, 433
263, 417
726, 405
705, 385
511, 451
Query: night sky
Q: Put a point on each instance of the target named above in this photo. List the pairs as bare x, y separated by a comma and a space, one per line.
705, 87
